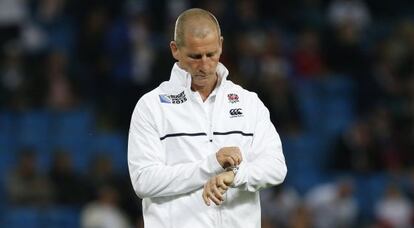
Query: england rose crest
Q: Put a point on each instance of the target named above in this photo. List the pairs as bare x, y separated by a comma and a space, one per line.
233, 98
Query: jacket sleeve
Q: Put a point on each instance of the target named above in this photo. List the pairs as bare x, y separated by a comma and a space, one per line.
150, 176
265, 163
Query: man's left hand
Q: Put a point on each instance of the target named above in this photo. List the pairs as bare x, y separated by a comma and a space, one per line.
215, 188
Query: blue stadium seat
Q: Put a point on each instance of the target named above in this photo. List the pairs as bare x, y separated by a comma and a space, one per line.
73, 131
338, 104
306, 150
61, 217
7, 132
309, 104
33, 130
7, 142
306, 157
327, 105
21, 217
369, 189
115, 146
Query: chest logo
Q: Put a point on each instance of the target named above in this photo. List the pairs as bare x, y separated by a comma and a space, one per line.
236, 112
173, 99
233, 98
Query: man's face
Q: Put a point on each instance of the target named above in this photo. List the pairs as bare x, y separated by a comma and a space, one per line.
199, 57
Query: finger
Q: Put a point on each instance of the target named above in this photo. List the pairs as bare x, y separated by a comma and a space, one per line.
217, 194
205, 197
221, 184
214, 199
222, 191
230, 161
239, 156
237, 160
214, 190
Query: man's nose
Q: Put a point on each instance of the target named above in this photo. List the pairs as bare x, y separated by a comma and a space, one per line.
204, 58
204, 63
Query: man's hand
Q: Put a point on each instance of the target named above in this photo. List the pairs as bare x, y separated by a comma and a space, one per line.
215, 188
229, 156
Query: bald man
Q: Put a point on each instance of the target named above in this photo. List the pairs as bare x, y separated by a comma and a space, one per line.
201, 147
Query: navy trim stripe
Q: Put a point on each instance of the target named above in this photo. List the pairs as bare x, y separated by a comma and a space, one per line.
182, 134
233, 132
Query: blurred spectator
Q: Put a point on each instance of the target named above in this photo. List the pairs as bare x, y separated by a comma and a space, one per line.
409, 184
13, 13
383, 134
248, 46
356, 151
52, 19
394, 209
343, 53
333, 204
26, 186
61, 91
274, 85
278, 94
394, 66
311, 14
300, 218
174, 8
247, 15
12, 78
352, 12
70, 188
279, 205
272, 57
104, 212
142, 50
102, 173
307, 59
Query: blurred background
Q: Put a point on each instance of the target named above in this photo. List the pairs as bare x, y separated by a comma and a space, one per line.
337, 76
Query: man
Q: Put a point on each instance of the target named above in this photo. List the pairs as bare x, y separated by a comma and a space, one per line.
200, 147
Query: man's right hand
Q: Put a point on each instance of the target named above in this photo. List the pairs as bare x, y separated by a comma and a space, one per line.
229, 156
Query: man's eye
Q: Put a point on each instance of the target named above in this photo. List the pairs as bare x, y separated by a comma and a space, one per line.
195, 56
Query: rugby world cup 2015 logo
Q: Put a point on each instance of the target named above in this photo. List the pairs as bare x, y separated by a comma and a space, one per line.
173, 99
233, 98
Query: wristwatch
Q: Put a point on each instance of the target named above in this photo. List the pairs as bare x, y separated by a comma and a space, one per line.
234, 169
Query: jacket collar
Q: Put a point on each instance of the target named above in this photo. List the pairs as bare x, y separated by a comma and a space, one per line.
182, 78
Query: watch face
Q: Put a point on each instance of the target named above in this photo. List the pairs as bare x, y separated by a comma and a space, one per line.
234, 169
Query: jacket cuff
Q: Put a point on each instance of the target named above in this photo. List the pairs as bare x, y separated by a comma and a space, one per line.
213, 165
241, 176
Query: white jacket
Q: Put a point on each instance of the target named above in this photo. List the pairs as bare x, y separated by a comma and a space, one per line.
172, 153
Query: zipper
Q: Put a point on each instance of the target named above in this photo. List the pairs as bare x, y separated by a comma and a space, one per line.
219, 215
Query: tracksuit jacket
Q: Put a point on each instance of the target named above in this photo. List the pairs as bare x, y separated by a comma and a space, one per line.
172, 153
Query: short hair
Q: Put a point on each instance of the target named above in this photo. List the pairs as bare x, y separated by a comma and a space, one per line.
189, 16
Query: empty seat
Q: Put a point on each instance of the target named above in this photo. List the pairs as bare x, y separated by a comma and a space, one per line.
33, 131
73, 131
21, 217
113, 145
7, 132
61, 217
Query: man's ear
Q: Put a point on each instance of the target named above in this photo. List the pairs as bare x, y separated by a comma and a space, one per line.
174, 50
221, 44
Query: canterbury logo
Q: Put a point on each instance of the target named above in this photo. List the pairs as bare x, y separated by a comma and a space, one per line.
236, 112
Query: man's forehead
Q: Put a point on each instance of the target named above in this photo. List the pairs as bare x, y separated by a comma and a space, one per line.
210, 42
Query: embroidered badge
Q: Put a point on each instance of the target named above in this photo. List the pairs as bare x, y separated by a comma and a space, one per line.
233, 98
173, 99
236, 112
